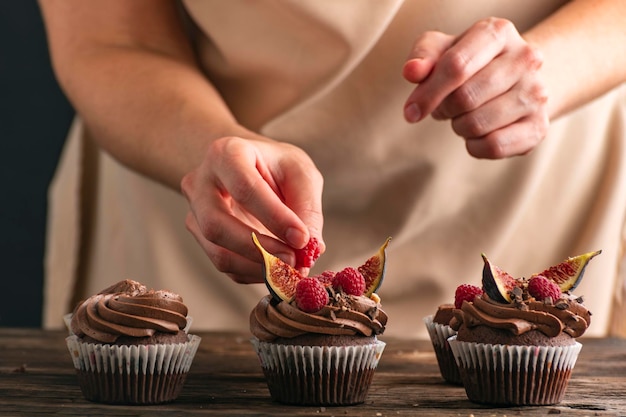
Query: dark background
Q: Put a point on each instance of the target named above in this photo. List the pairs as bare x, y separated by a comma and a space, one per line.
34, 119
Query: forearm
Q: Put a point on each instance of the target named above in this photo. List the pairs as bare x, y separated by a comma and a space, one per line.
583, 45
129, 70
152, 113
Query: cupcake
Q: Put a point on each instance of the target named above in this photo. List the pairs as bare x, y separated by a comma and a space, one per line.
516, 342
130, 345
317, 338
439, 330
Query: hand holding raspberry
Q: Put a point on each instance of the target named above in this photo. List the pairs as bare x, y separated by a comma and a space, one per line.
306, 257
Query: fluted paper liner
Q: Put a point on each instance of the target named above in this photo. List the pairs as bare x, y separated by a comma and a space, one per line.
318, 375
514, 375
132, 374
439, 334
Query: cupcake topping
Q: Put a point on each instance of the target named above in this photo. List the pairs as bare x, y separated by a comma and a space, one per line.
542, 302
350, 281
344, 315
311, 295
128, 308
569, 317
541, 288
466, 292
341, 303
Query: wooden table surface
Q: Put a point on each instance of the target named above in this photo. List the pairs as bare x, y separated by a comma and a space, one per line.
37, 378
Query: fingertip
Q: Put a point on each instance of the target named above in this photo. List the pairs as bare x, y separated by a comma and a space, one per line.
417, 69
412, 70
296, 238
287, 257
304, 271
322, 245
412, 113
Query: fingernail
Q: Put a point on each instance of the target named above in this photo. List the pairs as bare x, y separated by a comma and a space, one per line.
288, 258
412, 113
295, 237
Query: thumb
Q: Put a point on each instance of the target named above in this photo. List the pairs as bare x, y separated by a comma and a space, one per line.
303, 195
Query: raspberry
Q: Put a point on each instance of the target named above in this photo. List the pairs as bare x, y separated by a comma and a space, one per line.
350, 281
466, 292
306, 257
311, 295
541, 288
326, 278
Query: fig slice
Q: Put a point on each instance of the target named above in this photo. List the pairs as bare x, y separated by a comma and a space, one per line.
568, 274
280, 277
373, 270
497, 283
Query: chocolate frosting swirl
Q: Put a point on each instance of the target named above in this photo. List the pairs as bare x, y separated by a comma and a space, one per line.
567, 315
128, 308
272, 319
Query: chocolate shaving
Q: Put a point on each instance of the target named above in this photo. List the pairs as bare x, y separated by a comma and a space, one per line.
517, 298
372, 312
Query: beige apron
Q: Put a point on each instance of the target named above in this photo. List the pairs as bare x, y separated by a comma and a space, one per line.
326, 76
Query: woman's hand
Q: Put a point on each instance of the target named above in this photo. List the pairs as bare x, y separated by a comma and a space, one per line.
130, 71
245, 185
486, 82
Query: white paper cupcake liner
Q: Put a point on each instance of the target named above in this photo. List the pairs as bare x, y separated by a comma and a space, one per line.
318, 375
514, 375
133, 374
439, 334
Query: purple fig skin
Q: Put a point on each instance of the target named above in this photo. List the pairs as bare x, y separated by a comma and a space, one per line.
281, 279
497, 283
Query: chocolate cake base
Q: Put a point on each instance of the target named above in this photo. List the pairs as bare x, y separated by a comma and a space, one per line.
132, 374
447, 364
514, 375
155, 339
311, 339
480, 334
327, 387
515, 386
439, 331
130, 388
319, 375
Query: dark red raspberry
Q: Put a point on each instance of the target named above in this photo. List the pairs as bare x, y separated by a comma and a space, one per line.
541, 288
350, 281
326, 278
306, 257
311, 295
466, 292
